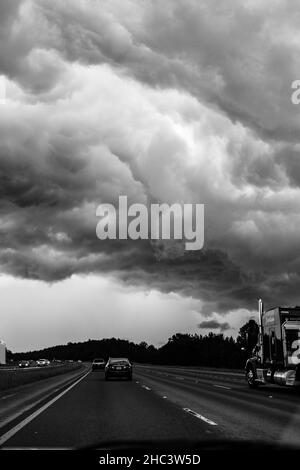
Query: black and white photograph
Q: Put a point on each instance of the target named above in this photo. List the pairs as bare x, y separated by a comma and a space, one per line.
149, 232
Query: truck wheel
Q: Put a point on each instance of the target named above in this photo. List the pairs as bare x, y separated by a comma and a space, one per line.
250, 377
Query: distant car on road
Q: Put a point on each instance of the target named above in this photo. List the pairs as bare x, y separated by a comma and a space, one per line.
118, 367
24, 364
43, 362
98, 364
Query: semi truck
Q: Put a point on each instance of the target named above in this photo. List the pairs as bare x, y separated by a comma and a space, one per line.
276, 357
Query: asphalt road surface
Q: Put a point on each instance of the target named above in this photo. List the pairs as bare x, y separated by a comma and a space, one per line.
160, 404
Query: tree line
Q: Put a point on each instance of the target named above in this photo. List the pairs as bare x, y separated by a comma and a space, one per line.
212, 350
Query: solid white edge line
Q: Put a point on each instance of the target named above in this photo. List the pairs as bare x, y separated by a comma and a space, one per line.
5, 437
222, 386
145, 387
197, 415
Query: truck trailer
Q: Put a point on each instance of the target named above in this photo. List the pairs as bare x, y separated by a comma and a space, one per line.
2, 353
276, 357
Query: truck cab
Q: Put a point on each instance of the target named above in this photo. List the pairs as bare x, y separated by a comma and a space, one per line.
276, 358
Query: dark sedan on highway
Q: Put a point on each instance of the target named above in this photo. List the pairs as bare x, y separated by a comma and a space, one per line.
118, 367
98, 364
24, 364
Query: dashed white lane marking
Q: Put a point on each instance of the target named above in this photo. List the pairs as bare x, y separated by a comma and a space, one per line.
197, 415
222, 386
165, 397
179, 378
145, 387
5, 437
137, 382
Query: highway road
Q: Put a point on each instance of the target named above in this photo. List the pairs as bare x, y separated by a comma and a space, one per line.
161, 404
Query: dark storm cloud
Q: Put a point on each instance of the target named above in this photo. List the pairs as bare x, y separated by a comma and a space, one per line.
214, 325
8, 10
211, 50
288, 157
162, 102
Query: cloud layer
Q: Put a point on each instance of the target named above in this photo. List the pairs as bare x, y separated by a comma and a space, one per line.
162, 101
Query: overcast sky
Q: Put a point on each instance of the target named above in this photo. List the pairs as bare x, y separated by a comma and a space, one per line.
165, 101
